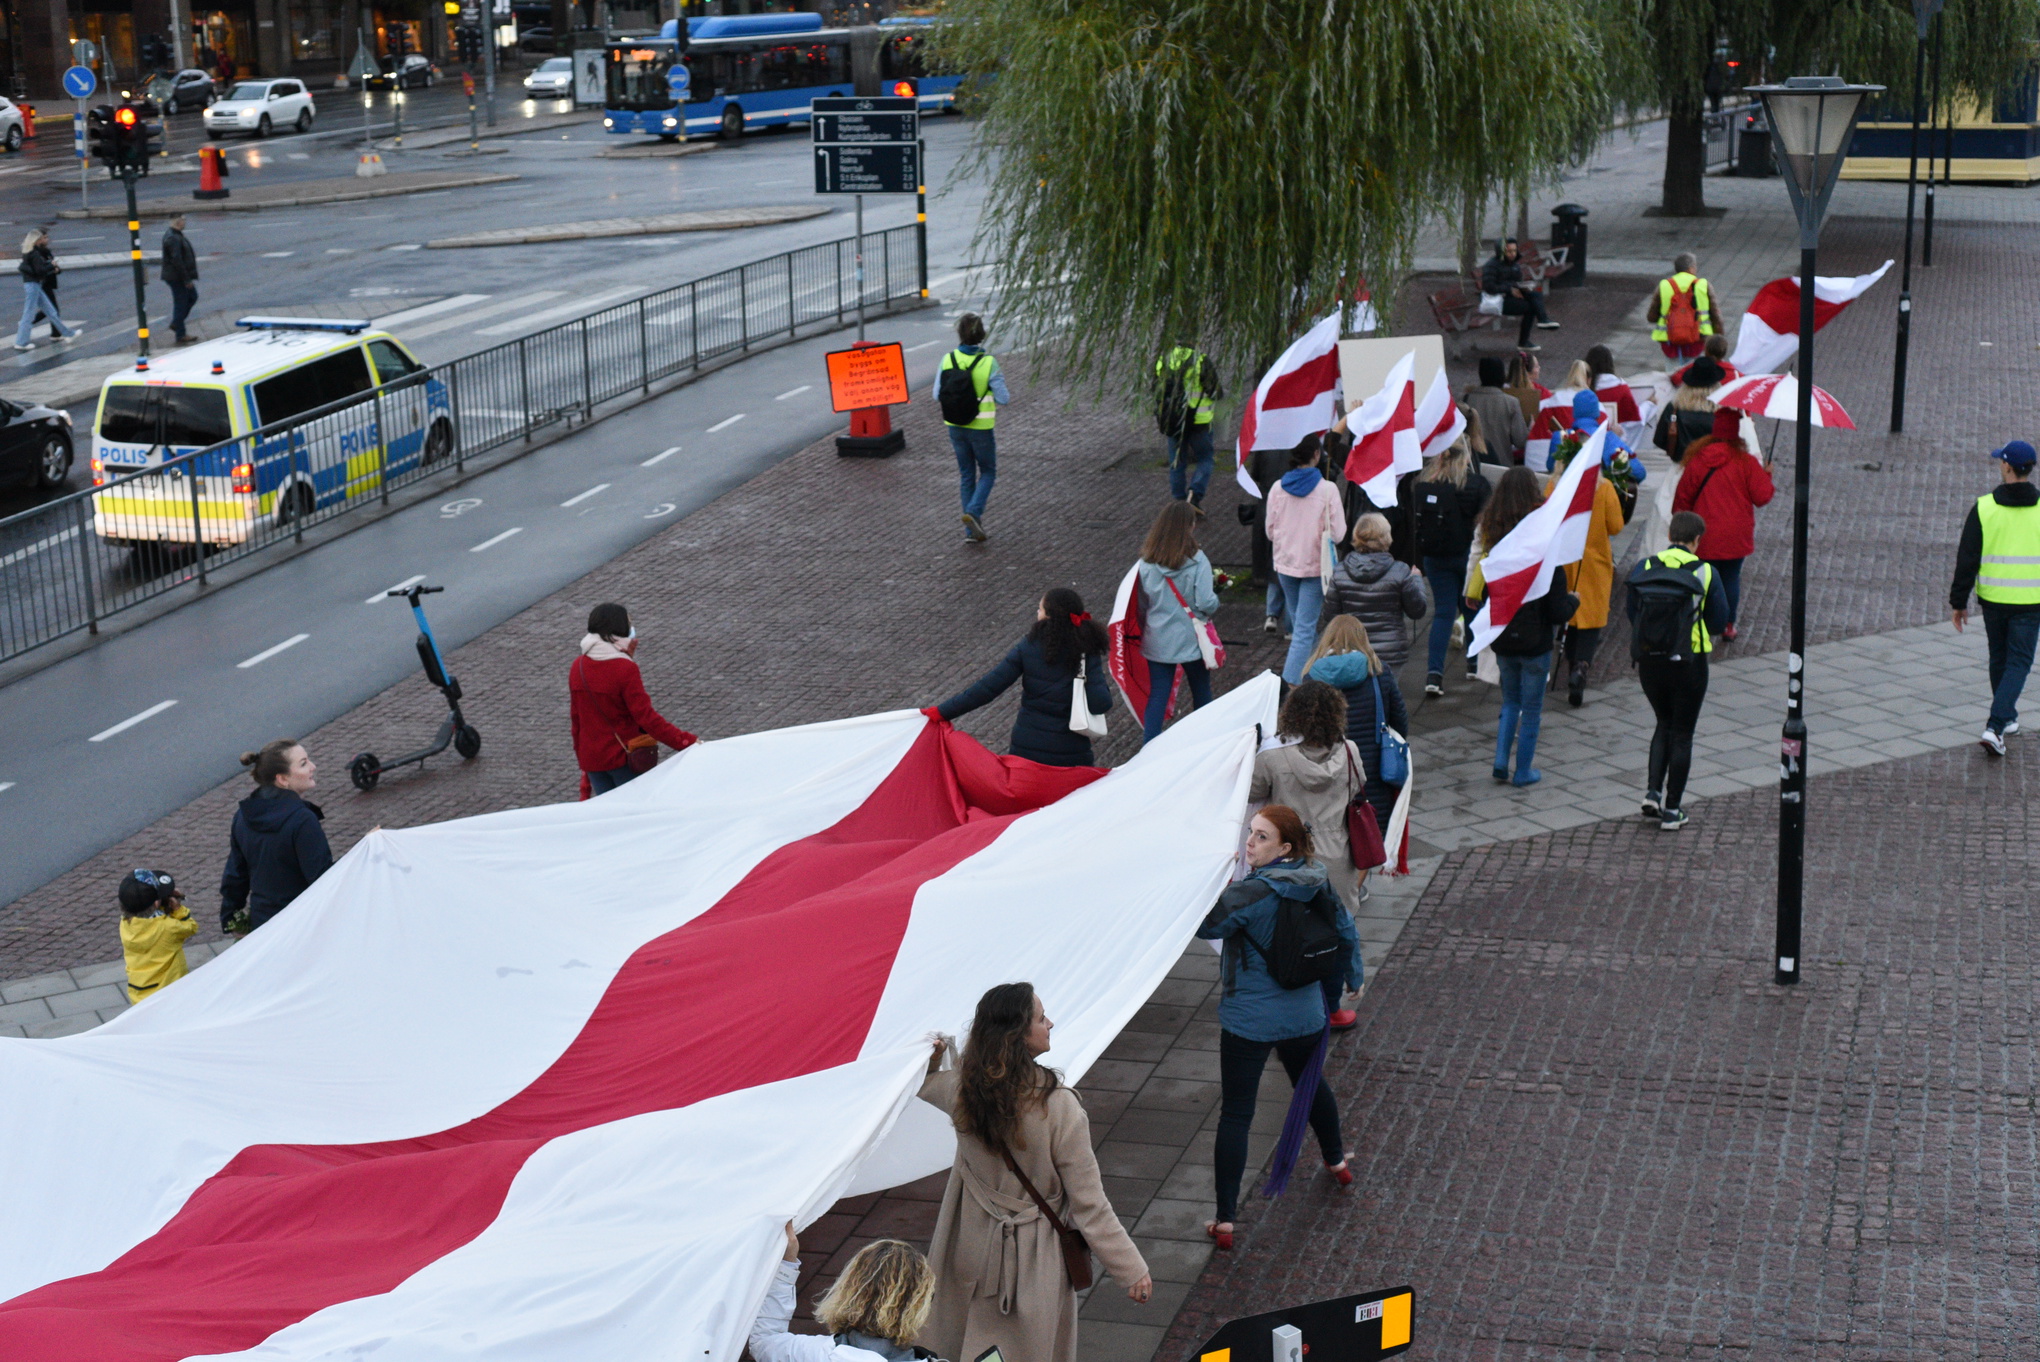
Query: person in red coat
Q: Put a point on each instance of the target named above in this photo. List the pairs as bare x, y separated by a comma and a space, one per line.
609, 704
1724, 484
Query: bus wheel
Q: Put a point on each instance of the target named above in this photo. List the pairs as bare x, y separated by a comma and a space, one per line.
669, 137
732, 122
439, 441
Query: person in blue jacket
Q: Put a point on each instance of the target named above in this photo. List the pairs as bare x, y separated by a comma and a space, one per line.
1064, 645
1256, 1014
277, 847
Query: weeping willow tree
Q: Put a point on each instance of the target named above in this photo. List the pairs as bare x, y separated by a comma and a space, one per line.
1667, 45
1186, 169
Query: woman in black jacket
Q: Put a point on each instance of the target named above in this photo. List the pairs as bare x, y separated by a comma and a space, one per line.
1524, 649
1447, 498
1064, 646
277, 848
38, 271
1689, 417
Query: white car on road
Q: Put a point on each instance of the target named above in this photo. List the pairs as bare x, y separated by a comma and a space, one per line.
13, 126
554, 79
261, 107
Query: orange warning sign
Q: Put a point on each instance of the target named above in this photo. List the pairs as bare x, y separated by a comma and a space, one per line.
867, 376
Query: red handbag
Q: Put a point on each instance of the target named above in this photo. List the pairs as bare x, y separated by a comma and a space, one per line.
1363, 830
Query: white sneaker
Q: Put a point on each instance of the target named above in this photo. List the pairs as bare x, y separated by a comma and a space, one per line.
29, 346
1993, 742
2010, 729
1271, 625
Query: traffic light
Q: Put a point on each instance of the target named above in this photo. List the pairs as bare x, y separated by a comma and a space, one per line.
121, 137
905, 89
99, 135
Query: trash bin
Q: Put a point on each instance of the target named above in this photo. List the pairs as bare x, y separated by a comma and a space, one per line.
1753, 149
1569, 229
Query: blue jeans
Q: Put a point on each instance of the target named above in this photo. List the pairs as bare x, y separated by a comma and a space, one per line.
1276, 609
1447, 577
1190, 462
602, 782
977, 466
1730, 572
36, 302
1522, 710
1161, 681
182, 298
1304, 598
2011, 635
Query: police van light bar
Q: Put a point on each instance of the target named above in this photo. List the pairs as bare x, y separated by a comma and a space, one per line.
342, 324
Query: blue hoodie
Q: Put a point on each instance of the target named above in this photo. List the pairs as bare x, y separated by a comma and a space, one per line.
1300, 482
1586, 419
1254, 1006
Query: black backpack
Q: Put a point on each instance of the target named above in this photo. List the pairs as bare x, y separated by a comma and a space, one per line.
1668, 603
1172, 408
958, 392
1307, 948
1437, 515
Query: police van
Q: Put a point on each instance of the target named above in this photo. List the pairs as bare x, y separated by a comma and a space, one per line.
270, 406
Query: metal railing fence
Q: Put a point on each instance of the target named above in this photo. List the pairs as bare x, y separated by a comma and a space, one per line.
70, 563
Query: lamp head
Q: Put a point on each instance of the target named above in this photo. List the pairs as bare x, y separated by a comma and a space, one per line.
1812, 120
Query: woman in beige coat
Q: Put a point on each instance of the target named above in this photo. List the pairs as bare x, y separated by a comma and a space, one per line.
999, 1275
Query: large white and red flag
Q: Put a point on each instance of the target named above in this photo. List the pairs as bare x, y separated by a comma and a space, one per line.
1439, 419
1386, 440
1768, 336
1519, 569
1298, 396
546, 1084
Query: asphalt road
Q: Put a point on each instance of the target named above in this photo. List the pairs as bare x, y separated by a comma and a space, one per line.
107, 740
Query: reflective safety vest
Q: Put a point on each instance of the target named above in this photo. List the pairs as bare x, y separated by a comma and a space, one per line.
1676, 557
2011, 553
980, 367
1190, 363
1702, 303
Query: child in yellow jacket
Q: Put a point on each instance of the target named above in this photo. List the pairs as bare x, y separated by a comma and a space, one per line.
154, 925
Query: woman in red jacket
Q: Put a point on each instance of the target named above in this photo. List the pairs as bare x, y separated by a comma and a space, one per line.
610, 706
1724, 484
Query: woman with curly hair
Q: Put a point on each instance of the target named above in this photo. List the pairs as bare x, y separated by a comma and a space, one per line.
1065, 648
877, 1306
1021, 1134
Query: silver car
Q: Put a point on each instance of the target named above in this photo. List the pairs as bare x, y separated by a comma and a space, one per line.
261, 107
554, 79
13, 126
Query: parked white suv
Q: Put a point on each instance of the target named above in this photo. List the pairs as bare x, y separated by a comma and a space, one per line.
261, 107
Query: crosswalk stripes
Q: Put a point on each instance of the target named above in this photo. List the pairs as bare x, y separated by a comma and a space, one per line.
415, 314
575, 307
467, 318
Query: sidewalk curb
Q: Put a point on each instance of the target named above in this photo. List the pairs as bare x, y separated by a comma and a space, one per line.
709, 220
170, 208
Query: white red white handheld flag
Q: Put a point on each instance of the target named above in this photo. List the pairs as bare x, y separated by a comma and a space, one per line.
1439, 419
1123, 657
1519, 569
1385, 438
1768, 336
1295, 398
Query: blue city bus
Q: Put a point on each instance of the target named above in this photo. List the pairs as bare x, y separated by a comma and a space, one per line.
728, 74
900, 57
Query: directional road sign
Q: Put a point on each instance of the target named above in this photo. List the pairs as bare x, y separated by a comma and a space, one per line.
867, 146
80, 82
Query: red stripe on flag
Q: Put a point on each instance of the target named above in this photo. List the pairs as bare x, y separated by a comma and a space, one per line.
1505, 594
1777, 303
719, 1004
1304, 384
1583, 495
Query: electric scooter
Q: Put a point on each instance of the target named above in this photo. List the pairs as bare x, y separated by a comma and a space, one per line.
465, 739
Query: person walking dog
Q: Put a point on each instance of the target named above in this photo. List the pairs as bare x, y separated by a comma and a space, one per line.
970, 390
180, 272
1999, 555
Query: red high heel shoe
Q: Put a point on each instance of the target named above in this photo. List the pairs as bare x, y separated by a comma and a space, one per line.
1340, 1171
1222, 1238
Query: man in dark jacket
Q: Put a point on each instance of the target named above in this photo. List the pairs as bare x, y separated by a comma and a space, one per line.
277, 850
1504, 275
2000, 557
180, 272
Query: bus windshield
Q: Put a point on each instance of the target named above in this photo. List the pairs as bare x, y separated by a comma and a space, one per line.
637, 78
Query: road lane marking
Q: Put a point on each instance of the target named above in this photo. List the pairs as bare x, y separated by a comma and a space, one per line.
407, 246
6, 784
656, 458
268, 653
416, 314
491, 543
276, 255
37, 547
493, 310
725, 424
583, 496
125, 724
385, 595
922, 346
578, 305
794, 392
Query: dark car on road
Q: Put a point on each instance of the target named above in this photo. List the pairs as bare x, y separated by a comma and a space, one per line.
35, 445
537, 38
404, 73
181, 91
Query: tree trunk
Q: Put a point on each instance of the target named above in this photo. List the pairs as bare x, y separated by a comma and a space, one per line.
1685, 166
1469, 233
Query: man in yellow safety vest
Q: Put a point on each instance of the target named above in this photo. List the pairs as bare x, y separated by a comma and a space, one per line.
1684, 312
970, 390
2000, 556
1186, 387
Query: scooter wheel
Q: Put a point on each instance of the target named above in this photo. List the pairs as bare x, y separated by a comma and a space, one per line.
364, 771
467, 740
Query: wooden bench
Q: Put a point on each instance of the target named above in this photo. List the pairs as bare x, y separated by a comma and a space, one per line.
1458, 313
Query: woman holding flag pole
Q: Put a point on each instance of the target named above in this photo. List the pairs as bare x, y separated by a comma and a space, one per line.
1520, 607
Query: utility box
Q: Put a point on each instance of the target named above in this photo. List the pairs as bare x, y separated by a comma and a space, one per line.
1569, 229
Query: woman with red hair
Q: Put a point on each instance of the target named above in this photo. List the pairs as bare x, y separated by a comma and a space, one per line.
1723, 483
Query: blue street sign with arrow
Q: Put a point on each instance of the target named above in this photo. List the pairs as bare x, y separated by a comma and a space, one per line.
79, 82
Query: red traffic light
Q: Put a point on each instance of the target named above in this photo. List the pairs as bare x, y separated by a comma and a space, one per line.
126, 117
904, 89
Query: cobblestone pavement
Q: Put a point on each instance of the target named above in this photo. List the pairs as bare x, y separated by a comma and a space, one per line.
1588, 1124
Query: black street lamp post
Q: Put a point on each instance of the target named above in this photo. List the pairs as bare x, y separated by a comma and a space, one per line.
1812, 119
1923, 15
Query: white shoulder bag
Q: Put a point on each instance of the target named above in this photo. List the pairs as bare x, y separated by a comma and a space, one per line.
1082, 720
